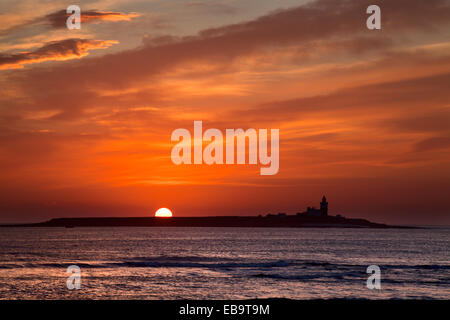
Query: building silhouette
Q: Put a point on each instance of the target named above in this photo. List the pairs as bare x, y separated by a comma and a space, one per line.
324, 206
314, 212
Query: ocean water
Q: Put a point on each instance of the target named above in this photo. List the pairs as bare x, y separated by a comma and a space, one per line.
224, 263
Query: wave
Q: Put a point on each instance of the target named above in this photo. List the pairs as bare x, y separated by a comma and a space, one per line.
153, 263
347, 277
301, 277
164, 261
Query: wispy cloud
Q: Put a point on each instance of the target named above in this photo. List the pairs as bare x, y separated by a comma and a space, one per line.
54, 51
58, 19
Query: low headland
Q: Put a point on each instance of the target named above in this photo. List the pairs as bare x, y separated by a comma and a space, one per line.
311, 218
269, 221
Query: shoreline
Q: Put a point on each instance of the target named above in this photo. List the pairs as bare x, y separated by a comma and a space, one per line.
287, 221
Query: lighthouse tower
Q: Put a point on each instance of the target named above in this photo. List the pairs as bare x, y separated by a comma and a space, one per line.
324, 207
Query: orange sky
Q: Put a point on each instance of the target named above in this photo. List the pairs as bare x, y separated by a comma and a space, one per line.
86, 115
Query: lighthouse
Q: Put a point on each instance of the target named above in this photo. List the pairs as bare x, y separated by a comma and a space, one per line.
324, 207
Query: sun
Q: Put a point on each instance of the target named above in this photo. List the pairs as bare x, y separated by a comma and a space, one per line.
163, 212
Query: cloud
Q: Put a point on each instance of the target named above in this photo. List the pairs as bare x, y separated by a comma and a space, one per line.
403, 96
211, 7
322, 26
54, 51
58, 19
351, 104
328, 20
278, 31
430, 120
433, 143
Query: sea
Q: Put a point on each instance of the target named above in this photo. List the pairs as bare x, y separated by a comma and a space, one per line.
223, 263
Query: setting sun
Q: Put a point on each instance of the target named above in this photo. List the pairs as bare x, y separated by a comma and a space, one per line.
163, 212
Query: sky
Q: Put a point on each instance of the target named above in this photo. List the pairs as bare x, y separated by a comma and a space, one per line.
86, 116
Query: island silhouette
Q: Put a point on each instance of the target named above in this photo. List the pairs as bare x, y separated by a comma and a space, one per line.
311, 218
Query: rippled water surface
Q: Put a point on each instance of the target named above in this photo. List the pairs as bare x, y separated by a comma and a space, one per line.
223, 263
